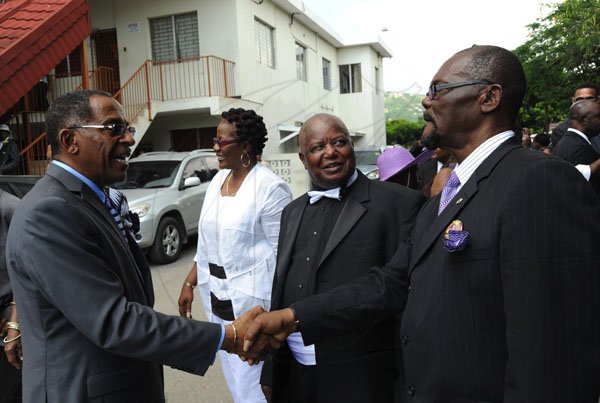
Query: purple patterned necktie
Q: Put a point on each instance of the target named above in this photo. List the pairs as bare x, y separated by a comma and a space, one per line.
449, 191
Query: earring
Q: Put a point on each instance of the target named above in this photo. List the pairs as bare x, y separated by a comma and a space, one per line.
247, 164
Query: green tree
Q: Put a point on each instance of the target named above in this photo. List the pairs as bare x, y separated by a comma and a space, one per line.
563, 51
403, 132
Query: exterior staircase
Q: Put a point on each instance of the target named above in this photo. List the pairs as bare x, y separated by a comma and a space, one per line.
148, 91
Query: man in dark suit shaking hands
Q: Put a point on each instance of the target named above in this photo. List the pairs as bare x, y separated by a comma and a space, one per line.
503, 275
330, 236
82, 286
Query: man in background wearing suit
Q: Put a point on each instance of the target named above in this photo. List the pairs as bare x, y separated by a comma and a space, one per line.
584, 91
487, 319
576, 147
82, 285
328, 237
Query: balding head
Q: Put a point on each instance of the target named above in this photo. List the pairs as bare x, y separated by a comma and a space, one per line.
498, 66
585, 117
326, 151
317, 122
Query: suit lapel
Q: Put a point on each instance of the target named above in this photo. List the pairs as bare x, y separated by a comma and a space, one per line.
74, 185
351, 212
438, 224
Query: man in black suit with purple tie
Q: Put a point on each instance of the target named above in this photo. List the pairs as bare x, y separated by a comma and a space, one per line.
502, 287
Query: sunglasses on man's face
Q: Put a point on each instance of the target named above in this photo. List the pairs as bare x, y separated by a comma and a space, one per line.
115, 129
585, 99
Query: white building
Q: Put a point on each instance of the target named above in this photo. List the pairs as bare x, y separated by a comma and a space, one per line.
195, 58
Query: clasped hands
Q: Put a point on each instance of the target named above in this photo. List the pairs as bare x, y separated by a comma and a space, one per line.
257, 332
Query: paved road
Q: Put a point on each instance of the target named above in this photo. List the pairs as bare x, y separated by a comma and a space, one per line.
181, 387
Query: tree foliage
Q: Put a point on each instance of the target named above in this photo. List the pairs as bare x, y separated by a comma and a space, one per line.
563, 51
403, 132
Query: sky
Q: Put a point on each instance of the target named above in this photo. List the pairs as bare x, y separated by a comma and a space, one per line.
422, 34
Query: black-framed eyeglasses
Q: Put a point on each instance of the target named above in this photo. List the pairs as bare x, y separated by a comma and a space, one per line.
585, 99
435, 88
223, 143
116, 129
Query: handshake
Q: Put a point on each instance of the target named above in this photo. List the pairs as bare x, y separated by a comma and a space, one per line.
257, 332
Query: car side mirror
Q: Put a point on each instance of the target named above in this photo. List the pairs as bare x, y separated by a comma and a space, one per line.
191, 181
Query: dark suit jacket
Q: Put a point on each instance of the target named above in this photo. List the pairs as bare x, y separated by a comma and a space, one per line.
84, 301
559, 131
577, 151
425, 175
9, 158
513, 317
358, 365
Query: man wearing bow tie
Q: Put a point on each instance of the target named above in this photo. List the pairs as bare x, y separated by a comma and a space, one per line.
330, 236
486, 319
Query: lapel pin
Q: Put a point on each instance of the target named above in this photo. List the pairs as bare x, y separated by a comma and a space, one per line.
459, 200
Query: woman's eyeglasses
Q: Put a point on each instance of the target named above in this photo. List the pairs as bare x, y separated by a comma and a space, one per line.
223, 143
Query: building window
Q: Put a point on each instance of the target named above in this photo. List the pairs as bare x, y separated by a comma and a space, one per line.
326, 74
350, 78
264, 39
300, 62
175, 37
378, 88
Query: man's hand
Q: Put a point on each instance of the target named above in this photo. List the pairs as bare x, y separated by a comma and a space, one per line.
264, 343
185, 301
13, 350
278, 324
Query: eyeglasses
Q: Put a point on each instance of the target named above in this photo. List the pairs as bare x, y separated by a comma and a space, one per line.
435, 88
585, 99
223, 143
116, 129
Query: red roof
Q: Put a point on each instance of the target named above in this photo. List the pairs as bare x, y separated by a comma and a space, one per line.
34, 36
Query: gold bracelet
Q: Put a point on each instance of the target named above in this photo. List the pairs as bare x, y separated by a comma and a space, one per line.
234, 338
13, 325
187, 283
13, 339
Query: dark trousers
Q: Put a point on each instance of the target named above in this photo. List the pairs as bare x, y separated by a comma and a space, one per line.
301, 385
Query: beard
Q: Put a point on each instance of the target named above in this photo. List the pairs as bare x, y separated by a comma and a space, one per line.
430, 140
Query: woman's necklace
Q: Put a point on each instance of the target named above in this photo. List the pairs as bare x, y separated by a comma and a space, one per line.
227, 186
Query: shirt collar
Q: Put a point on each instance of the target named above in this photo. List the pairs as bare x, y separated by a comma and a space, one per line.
465, 169
82, 178
582, 135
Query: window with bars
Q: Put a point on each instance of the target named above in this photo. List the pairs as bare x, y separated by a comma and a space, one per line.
175, 36
300, 62
350, 78
326, 74
264, 40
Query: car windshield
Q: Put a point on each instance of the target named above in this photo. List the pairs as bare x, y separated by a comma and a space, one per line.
149, 175
366, 157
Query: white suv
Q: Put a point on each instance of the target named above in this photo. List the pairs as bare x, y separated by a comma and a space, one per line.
166, 190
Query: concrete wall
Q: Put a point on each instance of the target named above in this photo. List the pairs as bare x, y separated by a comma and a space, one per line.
364, 111
217, 28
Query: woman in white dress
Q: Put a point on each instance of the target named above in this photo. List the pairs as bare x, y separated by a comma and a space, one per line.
237, 239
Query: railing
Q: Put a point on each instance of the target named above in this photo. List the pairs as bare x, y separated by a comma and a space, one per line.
202, 76
29, 128
195, 77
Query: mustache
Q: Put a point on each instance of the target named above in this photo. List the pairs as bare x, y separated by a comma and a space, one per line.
427, 117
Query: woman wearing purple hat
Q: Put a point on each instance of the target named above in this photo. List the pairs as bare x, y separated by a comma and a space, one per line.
399, 166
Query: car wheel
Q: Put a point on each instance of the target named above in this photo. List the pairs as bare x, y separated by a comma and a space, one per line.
167, 242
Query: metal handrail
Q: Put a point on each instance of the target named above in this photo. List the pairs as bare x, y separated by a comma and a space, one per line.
202, 76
